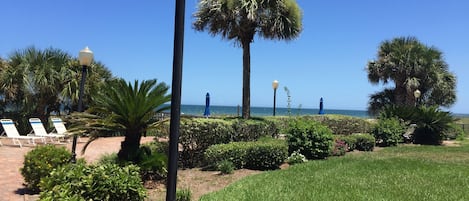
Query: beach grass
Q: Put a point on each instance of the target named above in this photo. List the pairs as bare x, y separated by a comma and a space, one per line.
398, 173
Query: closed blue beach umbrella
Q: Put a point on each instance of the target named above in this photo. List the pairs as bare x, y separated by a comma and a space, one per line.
207, 105
321, 107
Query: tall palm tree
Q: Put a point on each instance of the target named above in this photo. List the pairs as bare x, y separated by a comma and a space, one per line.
240, 20
131, 108
411, 65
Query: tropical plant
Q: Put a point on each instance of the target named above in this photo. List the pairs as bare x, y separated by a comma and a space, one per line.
130, 109
240, 20
411, 65
431, 125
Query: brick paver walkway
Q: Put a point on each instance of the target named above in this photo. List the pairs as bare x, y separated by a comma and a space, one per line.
11, 160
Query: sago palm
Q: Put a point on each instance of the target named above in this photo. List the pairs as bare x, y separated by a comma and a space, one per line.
240, 20
130, 109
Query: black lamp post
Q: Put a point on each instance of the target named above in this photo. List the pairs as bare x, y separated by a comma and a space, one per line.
85, 57
275, 86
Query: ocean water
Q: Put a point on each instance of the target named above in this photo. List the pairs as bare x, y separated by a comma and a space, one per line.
198, 110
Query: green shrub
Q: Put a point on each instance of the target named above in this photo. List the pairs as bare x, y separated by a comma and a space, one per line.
39, 162
296, 158
455, 132
349, 140
253, 129
388, 132
266, 155
183, 194
196, 135
234, 152
342, 124
97, 182
261, 155
310, 138
365, 142
226, 167
339, 148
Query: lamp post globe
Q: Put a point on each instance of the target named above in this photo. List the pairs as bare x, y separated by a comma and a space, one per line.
85, 57
417, 95
275, 86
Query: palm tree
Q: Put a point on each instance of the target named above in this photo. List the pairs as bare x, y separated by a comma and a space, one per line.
240, 20
411, 65
131, 109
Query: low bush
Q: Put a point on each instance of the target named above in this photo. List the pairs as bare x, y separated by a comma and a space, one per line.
349, 140
39, 163
225, 167
261, 155
196, 135
184, 194
455, 132
296, 158
105, 182
364, 142
388, 132
342, 124
309, 138
339, 148
151, 162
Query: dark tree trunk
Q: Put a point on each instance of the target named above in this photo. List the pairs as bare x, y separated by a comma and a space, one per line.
130, 146
246, 79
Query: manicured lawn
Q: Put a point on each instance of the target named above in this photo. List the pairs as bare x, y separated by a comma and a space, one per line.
399, 173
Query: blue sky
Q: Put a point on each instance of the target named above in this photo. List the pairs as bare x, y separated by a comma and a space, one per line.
134, 39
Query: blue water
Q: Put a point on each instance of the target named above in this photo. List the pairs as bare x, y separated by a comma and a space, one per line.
198, 110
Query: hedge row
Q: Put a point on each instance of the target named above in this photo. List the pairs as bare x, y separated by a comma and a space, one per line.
197, 134
259, 155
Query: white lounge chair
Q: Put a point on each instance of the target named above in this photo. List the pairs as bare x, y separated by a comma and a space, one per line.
60, 127
39, 130
12, 133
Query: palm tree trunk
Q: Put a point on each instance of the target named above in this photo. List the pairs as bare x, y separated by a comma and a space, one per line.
130, 146
246, 79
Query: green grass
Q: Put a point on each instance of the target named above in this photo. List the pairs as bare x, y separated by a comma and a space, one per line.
399, 173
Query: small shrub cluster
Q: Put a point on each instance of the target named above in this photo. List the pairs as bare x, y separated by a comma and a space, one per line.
226, 167
184, 194
296, 158
260, 155
105, 182
310, 138
339, 148
151, 158
388, 132
349, 140
455, 132
40, 161
364, 142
